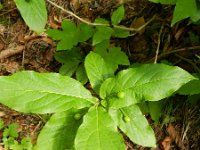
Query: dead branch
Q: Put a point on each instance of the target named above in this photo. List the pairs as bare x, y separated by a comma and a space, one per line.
100, 24
197, 48
11, 51
158, 45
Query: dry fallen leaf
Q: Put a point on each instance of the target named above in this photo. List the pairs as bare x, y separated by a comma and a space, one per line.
2, 45
2, 29
53, 22
179, 33
166, 143
1, 148
2, 114
12, 66
11, 51
138, 23
49, 55
175, 136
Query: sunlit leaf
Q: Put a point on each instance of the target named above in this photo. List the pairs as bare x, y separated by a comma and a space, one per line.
118, 15
67, 37
136, 127
98, 132
183, 10
60, 131
150, 82
33, 92
34, 13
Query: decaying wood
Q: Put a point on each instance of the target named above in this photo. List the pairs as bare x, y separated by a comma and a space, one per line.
11, 51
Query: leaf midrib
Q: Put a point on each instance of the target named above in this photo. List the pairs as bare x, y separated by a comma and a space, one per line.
143, 84
39, 91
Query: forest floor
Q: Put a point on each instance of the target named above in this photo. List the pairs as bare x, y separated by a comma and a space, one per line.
21, 49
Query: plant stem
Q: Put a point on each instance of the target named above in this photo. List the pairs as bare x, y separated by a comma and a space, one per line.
158, 45
197, 48
100, 24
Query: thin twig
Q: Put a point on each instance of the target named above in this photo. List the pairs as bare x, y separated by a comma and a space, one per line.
158, 45
8, 11
189, 61
23, 58
36, 128
176, 51
11, 51
100, 24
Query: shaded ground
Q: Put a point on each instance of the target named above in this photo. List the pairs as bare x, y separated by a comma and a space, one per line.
180, 45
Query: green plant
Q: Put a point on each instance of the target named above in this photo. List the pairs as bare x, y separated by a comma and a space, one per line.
183, 9
82, 118
10, 134
1, 124
79, 119
34, 13
72, 63
1, 6
153, 108
72, 37
192, 89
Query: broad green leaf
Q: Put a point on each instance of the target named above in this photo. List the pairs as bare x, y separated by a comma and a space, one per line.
97, 70
113, 57
70, 55
196, 17
33, 92
150, 82
86, 32
60, 131
67, 38
102, 33
55, 34
117, 56
101, 20
98, 132
144, 107
34, 13
118, 33
70, 60
118, 15
155, 110
191, 88
164, 1
1, 123
69, 68
183, 10
137, 128
193, 99
81, 75
103, 46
